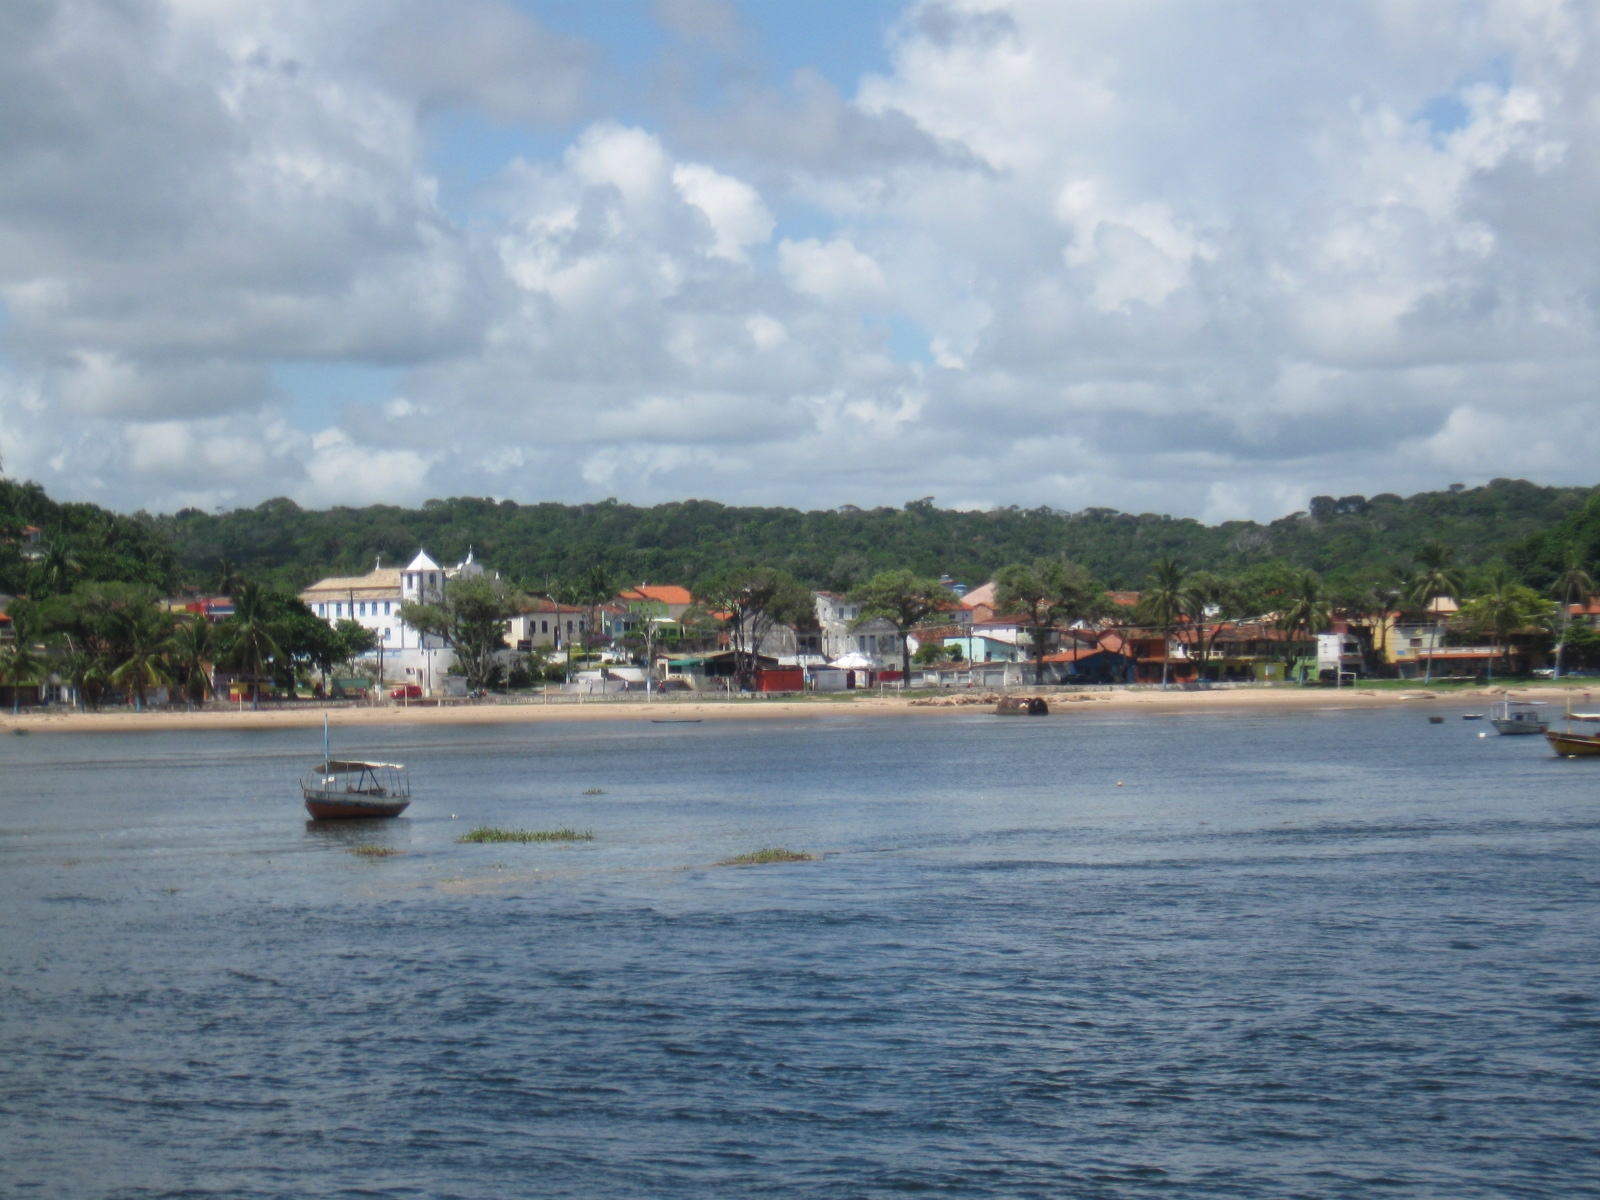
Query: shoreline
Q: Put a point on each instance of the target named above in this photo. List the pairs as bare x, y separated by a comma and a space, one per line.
1279, 699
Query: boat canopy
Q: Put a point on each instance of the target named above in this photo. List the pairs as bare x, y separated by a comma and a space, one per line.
337, 766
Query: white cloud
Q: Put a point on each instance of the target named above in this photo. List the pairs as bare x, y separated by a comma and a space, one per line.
738, 217
834, 272
1152, 255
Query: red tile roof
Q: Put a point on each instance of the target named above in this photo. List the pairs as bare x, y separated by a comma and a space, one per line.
662, 593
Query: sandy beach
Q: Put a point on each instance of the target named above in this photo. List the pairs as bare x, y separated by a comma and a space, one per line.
1153, 701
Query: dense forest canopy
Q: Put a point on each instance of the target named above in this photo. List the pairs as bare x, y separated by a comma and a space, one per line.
1534, 528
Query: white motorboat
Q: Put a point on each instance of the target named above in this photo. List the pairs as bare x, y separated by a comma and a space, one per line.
1520, 716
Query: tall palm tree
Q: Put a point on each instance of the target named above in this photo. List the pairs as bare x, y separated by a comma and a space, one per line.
190, 655
85, 672
252, 639
1573, 586
143, 641
1164, 602
1306, 609
1436, 577
20, 667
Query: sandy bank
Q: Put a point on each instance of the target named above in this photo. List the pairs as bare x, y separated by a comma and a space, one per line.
1064, 705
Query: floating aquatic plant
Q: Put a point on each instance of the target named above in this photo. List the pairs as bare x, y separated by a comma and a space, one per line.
594, 791
486, 833
772, 854
373, 851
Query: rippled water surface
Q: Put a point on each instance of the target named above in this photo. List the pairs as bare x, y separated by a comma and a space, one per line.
1335, 954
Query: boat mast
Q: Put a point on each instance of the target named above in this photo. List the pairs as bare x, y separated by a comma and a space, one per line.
327, 755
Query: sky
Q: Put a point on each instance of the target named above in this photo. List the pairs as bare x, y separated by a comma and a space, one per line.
1200, 259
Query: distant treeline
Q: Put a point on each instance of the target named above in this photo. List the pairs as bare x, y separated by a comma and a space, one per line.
1347, 540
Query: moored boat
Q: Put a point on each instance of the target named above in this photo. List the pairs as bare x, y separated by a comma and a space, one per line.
344, 789
1519, 716
1575, 745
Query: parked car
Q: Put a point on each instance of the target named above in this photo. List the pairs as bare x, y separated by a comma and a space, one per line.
406, 691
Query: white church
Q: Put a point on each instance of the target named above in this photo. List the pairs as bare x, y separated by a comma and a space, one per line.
373, 600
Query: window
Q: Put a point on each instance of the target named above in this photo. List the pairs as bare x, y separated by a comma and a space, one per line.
322, 610
363, 608
386, 604
386, 635
544, 626
338, 610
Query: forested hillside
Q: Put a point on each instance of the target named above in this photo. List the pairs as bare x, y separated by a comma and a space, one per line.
684, 542
80, 542
1346, 540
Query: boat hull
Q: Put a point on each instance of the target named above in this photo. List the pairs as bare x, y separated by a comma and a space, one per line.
1574, 745
1515, 726
346, 808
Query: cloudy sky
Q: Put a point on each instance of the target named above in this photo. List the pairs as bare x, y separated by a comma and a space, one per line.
1198, 258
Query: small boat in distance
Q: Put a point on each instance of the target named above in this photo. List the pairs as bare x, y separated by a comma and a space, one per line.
1519, 716
341, 789
1575, 745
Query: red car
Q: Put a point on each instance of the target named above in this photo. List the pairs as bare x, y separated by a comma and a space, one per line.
406, 691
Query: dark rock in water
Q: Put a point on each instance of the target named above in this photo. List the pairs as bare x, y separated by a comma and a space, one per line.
1435, 720
1023, 706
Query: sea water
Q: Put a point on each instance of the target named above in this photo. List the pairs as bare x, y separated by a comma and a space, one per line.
1329, 954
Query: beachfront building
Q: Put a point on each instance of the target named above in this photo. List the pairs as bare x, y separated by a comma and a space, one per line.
843, 632
373, 600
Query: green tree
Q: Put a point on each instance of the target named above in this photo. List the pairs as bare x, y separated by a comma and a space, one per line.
20, 666
54, 572
906, 600
144, 639
471, 619
753, 600
1164, 602
1435, 577
1503, 606
189, 659
1306, 609
1049, 592
249, 637
1573, 586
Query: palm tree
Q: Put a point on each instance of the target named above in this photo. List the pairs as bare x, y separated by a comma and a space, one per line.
191, 654
1435, 578
227, 580
597, 588
85, 672
1306, 609
56, 568
20, 667
252, 640
1503, 607
1572, 586
143, 639
1164, 602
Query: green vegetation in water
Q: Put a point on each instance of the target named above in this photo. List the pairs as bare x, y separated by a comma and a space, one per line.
373, 851
594, 791
485, 833
772, 854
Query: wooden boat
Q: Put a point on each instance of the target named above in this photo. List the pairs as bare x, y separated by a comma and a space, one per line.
1519, 716
343, 789
1575, 745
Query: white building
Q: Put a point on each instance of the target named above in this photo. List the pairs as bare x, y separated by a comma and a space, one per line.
373, 600
877, 638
